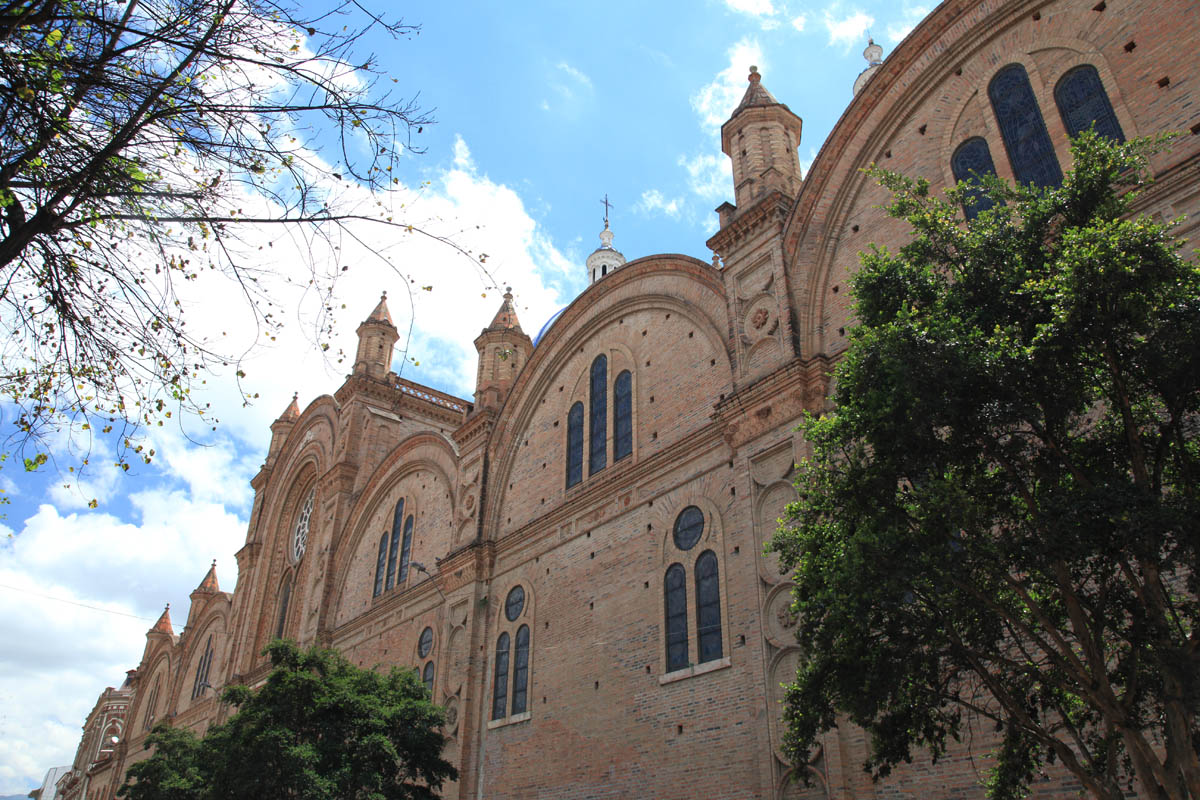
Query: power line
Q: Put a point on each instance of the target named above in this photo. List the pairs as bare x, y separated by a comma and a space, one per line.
73, 603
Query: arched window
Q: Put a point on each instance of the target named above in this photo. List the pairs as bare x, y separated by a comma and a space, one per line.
427, 678
406, 550
201, 681
1082, 101
152, 703
1021, 126
708, 607
575, 445
285, 597
971, 161
425, 643
675, 590
381, 565
598, 416
500, 679
622, 416
394, 547
521, 671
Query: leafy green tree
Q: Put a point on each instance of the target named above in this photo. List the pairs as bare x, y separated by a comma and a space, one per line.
319, 729
141, 142
998, 525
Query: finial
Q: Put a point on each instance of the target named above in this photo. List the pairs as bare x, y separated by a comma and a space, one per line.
508, 293
873, 54
214, 563
606, 207
754, 76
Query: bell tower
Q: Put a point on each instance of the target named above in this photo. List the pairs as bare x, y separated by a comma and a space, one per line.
762, 138
503, 349
377, 337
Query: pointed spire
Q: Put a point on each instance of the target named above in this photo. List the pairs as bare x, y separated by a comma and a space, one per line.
381, 314
209, 584
506, 317
756, 94
293, 410
164, 623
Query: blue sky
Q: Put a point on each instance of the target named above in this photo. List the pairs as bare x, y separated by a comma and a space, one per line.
542, 108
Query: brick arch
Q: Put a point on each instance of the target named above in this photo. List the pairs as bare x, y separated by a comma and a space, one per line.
215, 622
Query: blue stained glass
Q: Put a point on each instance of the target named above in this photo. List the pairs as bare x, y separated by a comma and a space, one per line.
427, 678
285, 597
708, 607
622, 416
520, 689
675, 596
1030, 150
380, 565
972, 160
500, 679
406, 550
394, 550
689, 527
598, 413
575, 445
1083, 103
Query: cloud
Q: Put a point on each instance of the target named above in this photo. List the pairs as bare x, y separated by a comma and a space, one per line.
571, 85
715, 101
910, 16
799, 21
709, 176
756, 8
654, 202
846, 28
576, 75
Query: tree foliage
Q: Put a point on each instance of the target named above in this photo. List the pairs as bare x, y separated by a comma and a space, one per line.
138, 140
319, 729
998, 526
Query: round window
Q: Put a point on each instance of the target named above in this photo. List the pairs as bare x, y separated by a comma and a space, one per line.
300, 532
689, 526
425, 643
514, 604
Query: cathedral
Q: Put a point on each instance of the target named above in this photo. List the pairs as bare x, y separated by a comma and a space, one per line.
573, 559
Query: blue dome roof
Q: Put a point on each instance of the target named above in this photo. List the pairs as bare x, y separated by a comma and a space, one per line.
547, 326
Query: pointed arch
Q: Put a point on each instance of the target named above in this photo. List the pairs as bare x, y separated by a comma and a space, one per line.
1022, 127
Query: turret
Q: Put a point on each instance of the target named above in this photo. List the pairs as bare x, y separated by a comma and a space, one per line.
281, 427
503, 349
761, 138
377, 336
604, 259
874, 56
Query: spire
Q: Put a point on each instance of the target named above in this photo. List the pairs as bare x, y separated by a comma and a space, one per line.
604, 259
381, 314
506, 317
756, 94
874, 56
292, 412
209, 584
761, 138
164, 623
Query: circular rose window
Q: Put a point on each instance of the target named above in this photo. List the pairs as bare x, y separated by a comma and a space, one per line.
300, 533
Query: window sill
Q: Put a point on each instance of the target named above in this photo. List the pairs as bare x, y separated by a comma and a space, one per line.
694, 670
513, 720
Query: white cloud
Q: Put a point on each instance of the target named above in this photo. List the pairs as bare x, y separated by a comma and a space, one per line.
655, 202
799, 21
717, 100
910, 16
847, 28
576, 75
757, 8
709, 176
571, 85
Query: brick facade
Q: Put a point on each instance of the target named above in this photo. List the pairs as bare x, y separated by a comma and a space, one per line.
723, 358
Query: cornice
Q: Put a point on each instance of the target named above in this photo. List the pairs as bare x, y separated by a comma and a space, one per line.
774, 208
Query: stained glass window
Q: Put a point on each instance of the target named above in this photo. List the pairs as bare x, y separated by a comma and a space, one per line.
381, 565
394, 549
201, 681
1030, 150
1083, 103
514, 603
405, 550
425, 643
521, 671
708, 607
622, 416
675, 589
285, 597
972, 160
575, 445
689, 527
500, 679
427, 678
598, 416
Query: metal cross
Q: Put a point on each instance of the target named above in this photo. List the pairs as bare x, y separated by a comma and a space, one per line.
606, 207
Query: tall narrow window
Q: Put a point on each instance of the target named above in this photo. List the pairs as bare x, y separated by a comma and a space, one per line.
971, 161
622, 416
708, 607
406, 550
152, 703
675, 590
394, 547
500, 679
201, 681
1030, 150
1082, 101
381, 565
521, 671
575, 445
285, 597
427, 678
598, 416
